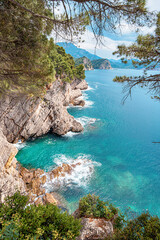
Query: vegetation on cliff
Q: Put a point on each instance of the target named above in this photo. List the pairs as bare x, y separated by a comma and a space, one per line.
18, 220
85, 62
92, 206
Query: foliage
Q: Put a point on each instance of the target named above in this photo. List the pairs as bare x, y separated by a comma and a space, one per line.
143, 227
64, 65
21, 221
24, 46
92, 206
18, 220
147, 50
69, 18
85, 62
25, 51
101, 64
29, 60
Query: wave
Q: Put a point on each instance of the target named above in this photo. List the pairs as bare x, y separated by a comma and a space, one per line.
88, 89
71, 134
86, 120
19, 145
88, 103
81, 174
85, 97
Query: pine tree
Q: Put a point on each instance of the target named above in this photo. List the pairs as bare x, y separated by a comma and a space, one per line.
26, 55
147, 50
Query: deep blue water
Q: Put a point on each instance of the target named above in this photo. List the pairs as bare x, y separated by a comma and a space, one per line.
125, 165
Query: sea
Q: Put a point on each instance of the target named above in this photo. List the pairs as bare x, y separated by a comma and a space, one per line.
118, 150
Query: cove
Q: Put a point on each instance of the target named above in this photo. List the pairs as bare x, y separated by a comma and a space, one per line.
118, 139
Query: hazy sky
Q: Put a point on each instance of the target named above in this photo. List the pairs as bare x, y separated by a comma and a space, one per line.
111, 41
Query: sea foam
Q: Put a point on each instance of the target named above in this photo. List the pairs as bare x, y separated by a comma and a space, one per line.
85, 121
19, 145
80, 175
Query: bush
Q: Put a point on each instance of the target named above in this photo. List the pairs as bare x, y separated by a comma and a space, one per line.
92, 206
144, 226
19, 221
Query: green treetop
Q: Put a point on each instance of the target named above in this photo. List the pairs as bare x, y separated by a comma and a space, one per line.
26, 55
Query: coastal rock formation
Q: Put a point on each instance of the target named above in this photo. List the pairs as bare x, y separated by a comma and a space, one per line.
86, 63
95, 229
10, 182
79, 84
22, 117
101, 64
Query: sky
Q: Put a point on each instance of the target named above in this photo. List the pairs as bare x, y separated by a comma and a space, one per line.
111, 41
127, 35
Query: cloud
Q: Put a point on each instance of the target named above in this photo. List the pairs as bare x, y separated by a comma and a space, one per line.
110, 42
103, 50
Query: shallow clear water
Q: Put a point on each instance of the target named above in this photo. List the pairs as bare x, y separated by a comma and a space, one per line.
118, 138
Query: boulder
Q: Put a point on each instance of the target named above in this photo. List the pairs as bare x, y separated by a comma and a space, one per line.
78, 102
43, 179
27, 176
79, 84
48, 198
82, 85
95, 229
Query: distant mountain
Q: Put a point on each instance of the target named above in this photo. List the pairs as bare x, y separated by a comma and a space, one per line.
80, 53
101, 64
77, 52
85, 61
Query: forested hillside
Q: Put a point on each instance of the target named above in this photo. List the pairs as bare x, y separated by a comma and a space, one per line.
86, 63
101, 64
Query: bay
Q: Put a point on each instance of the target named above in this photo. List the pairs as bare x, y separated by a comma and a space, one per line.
120, 161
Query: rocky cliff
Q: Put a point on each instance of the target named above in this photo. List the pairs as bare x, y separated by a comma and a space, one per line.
10, 182
23, 117
86, 63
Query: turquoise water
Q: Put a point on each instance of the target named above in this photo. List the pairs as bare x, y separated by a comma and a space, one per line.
124, 164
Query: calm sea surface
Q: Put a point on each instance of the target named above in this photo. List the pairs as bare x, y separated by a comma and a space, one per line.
119, 162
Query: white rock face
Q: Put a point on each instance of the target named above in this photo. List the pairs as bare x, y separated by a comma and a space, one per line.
10, 182
22, 117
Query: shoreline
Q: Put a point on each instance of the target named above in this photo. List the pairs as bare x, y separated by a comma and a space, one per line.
30, 182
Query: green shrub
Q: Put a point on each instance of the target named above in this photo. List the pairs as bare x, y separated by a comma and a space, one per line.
92, 206
145, 227
19, 221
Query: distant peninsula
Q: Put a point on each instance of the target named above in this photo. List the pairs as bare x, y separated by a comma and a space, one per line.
94, 64
92, 61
